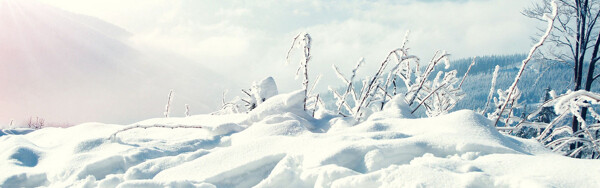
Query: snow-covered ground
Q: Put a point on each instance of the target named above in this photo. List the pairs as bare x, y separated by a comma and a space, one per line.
279, 145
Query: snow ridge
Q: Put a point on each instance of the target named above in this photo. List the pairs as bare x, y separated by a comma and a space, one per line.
280, 145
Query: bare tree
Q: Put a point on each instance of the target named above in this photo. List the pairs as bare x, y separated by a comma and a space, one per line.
574, 36
36, 123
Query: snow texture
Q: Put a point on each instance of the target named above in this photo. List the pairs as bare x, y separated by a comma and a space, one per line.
279, 145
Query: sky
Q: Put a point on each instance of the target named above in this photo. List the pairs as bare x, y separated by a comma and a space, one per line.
248, 40
241, 41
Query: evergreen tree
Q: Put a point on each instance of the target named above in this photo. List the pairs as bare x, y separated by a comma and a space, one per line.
547, 113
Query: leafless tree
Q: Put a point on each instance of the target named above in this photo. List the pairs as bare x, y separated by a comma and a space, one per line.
575, 35
36, 123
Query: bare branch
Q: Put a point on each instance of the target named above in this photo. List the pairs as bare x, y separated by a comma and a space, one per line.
114, 135
533, 49
467, 73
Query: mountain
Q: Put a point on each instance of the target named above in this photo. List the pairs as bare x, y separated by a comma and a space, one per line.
70, 68
537, 77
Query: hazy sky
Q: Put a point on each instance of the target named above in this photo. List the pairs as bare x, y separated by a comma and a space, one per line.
243, 41
248, 40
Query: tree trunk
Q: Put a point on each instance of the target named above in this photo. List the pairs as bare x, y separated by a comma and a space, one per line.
590, 75
580, 49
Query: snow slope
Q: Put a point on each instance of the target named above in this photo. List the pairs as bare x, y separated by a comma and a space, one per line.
279, 145
71, 68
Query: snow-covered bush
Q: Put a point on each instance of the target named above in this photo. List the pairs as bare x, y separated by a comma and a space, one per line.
36, 123
558, 135
257, 94
507, 117
437, 95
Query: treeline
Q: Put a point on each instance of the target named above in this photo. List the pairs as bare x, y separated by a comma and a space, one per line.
538, 76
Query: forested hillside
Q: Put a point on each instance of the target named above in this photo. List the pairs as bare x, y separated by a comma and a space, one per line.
538, 76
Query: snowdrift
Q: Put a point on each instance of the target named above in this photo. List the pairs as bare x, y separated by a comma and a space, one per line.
279, 145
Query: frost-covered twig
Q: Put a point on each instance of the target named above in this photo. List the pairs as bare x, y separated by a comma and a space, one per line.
114, 135
369, 89
187, 110
422, 78
168, 106
529, 56
340, 102
312, 89
442, 92
223, 98
492, 88
305, 44
315, 108
427, 97
349, 88
467, 73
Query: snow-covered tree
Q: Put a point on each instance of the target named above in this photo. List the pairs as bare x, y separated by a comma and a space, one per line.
558, 134
575, 39
547, 113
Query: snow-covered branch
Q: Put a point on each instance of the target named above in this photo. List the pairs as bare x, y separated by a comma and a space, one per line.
492, 88
302, 40
438, 95
543, 38
168, 105
114, 135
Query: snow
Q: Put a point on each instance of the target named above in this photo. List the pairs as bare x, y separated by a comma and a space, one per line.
280, 145
264, 89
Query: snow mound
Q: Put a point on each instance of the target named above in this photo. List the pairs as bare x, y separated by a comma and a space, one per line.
18, 131
264, 89
395, 108
276, 145
291, 102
